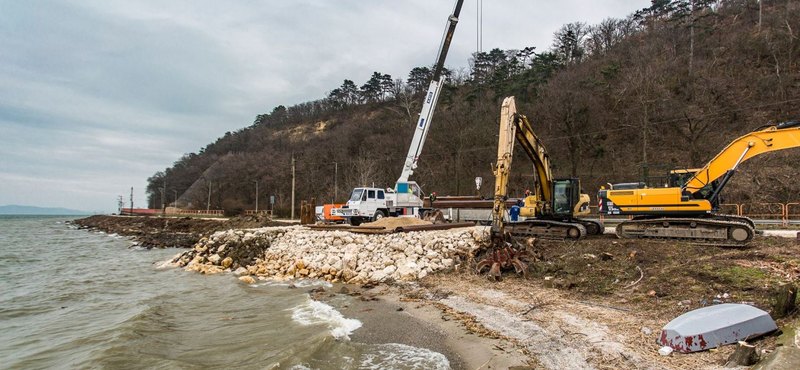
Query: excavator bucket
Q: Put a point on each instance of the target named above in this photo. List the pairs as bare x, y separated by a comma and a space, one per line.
503, 255
435, 216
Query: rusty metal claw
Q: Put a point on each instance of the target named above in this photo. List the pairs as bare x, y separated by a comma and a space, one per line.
484, 264
494, 272
520, 266
502, 258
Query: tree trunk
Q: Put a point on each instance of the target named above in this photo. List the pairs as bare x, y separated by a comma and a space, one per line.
745, 355
785, 298
691, 39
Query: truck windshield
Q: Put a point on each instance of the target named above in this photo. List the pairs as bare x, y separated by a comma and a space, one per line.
356, 195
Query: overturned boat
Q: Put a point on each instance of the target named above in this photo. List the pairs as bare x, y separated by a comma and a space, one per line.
715, 326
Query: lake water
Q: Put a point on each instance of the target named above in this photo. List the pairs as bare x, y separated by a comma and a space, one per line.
78, 299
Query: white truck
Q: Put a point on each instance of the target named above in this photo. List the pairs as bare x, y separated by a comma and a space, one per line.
406, 198
372, 204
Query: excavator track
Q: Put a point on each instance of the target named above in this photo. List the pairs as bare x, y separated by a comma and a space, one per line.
722, 230
593, 227
546, 229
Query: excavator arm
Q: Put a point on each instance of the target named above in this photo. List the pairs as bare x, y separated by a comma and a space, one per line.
505, 152
538, 155
782, 136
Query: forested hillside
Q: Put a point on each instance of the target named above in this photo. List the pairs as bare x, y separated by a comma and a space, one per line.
671, 84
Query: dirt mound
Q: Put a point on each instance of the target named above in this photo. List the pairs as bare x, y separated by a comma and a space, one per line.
395, 222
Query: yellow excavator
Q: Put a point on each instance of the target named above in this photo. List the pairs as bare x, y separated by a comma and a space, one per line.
550, 212
688, 212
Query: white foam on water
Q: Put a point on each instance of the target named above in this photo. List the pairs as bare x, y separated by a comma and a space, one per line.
299, 367
315, 312
311, 283
168, 264
401, 356
305, 283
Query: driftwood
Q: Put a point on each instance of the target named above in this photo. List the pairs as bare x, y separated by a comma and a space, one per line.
745, 355
784, 299
641, 275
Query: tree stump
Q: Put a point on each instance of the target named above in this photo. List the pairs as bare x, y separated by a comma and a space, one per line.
745, 355
785, 298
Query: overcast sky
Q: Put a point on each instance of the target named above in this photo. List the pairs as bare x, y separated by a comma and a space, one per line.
97, 95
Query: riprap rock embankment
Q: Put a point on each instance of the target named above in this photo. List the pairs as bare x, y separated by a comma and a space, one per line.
338, 256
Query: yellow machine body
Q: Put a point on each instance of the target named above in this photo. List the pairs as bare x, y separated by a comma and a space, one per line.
695, 196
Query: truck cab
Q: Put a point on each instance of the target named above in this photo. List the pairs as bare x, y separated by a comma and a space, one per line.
365, 205
371, 204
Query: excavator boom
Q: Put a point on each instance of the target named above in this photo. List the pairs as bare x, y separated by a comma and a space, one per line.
783, 136
537, 152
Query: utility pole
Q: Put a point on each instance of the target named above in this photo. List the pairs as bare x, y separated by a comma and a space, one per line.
293, 186
208, 203
335, 182
163, 199
256, 181
131, 201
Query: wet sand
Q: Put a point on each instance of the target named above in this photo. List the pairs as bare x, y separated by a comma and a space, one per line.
423, 325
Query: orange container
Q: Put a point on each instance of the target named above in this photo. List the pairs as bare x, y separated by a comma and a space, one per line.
327, 211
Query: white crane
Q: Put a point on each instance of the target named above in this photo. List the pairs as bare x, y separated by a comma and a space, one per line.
406, 198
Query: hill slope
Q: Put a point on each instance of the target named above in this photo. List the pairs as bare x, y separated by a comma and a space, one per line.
666, 86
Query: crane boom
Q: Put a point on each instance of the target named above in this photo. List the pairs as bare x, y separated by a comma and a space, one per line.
431, 98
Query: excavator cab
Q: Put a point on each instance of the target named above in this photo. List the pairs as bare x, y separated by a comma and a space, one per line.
568, 199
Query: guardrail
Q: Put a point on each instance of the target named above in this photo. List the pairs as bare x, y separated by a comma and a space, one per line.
764, 210
731, 208
213, 212
261, 212
792, 212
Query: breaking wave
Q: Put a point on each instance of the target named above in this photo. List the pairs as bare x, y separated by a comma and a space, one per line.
315, 312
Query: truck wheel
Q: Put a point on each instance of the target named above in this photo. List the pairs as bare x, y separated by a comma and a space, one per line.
355, 221
378, 215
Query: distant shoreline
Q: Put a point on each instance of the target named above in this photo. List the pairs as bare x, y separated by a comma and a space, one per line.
17, 210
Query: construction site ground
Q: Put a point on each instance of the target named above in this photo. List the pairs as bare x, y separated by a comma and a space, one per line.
602, 302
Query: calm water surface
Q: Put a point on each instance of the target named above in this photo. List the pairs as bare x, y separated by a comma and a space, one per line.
78, 299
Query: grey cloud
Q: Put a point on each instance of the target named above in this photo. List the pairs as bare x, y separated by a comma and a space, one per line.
97, 95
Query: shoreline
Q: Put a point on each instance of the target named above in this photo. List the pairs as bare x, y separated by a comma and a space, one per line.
596, 303
392, 318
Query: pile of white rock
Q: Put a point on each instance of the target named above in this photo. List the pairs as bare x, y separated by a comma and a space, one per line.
337, 256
